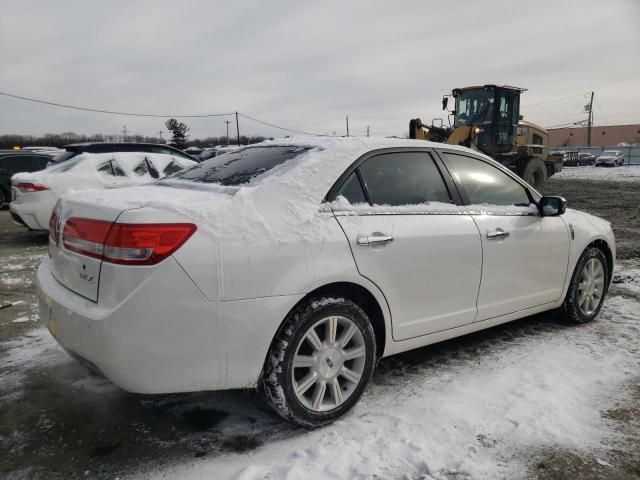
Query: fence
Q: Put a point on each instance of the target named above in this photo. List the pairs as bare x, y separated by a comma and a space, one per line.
631, 154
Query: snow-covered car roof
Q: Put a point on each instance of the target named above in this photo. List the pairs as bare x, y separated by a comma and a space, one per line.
84, 171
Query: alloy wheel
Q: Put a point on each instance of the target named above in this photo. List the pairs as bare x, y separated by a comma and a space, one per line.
591, 286
328, 364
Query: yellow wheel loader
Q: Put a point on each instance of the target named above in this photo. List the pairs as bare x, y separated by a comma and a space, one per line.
487, 118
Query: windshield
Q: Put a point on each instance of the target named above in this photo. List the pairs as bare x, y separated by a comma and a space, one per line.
240, 166
474, 107
610, 153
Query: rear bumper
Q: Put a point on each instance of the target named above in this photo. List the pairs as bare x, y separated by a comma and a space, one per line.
166, 336
35, 219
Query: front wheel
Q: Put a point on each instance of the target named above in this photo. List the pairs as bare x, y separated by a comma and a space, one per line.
587, 288
320, 362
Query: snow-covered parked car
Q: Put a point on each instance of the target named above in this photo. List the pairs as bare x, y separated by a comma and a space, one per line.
294, 265
35, 194
610, 158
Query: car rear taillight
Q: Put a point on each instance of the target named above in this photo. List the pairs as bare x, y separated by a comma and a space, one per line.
53, 228
125, 243
31, 187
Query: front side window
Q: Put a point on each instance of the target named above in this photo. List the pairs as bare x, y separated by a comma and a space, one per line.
485, 184
404, 178
172, 167
241, 166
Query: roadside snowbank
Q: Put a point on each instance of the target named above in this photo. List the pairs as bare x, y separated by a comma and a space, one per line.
613, 174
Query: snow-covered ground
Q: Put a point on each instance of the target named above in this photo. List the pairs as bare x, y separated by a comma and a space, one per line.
476, 407
629, 173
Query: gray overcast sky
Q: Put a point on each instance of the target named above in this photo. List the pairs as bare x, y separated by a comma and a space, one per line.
305, 65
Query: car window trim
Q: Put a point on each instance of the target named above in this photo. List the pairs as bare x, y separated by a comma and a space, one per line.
463, 194
444, 174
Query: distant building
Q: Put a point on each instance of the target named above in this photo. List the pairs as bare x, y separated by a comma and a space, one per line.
603, 136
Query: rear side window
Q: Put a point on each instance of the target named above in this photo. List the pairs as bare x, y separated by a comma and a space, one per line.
111, 168
485, 184
404, 178
17, 164
61, 157
241, 166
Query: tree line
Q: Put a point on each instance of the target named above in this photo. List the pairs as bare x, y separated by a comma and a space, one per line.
61, 139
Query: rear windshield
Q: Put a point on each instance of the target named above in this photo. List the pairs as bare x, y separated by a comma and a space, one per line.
61, 157
65, 166
240, 166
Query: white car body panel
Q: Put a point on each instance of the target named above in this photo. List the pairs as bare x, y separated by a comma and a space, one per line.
536, 245
430, 272
205, 317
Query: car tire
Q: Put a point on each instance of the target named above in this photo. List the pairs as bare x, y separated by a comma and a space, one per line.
587, 289
306, 379
535, 173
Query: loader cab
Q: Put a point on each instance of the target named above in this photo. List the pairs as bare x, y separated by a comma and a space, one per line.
492, 112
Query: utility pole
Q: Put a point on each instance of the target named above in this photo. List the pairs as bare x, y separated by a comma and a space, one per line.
227, 122
160, 132
124, 133
238, 128
589, 109
367, 130
347, 125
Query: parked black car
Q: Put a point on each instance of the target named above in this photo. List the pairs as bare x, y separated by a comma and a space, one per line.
15, 161
106, 147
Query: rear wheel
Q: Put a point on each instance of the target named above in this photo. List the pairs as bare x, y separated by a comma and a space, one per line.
587, 288
535, 173
320, 362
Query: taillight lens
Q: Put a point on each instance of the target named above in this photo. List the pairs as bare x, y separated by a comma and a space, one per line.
53, 228
31, 187
125, 243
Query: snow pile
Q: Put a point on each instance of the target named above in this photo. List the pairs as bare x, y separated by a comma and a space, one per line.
81, 172
629, 173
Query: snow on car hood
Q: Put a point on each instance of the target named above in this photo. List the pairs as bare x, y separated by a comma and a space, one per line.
283, 204
81, 172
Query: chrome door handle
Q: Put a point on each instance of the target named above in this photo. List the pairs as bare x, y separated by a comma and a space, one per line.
497, 233
379, 239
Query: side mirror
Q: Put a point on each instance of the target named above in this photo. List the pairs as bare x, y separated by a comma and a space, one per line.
445, 102
552, 206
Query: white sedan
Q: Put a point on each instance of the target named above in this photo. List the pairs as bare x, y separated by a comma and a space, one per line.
294, 266
610, 158
35, 194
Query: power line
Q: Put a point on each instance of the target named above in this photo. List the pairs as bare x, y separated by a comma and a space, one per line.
97, 110
279, 127
554, 101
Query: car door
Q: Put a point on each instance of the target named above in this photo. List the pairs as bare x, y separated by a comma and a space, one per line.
396, 211
524, 256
